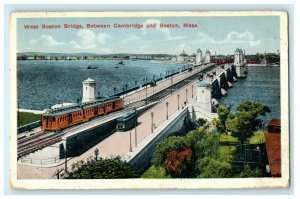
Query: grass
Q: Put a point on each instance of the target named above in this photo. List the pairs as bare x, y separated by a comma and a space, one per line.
27, 118
228, 138
257, 138
227, 153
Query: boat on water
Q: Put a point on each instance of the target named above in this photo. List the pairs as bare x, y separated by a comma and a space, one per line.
92, 67
121, 62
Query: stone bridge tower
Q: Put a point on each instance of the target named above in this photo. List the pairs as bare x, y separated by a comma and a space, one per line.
198, 57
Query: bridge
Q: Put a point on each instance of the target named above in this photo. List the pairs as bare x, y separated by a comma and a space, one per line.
163, 109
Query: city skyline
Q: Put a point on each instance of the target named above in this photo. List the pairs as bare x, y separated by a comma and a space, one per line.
217, 34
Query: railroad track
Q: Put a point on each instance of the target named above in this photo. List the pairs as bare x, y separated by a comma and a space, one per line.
37, 134
37, 146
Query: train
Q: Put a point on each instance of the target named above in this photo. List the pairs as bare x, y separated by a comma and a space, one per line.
127, 121
61, 118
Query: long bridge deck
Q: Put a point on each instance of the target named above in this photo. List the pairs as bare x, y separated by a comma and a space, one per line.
118, 143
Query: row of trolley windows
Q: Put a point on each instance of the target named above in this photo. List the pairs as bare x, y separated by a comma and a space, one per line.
77, 114
62, 119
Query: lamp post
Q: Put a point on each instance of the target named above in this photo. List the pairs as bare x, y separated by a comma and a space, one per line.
186, 91
130, 147
192, 91
171, 84
167, 104
152, 114
259, 156
146, 91
96, 152
135, 133
126, 88
18, 106
178, 96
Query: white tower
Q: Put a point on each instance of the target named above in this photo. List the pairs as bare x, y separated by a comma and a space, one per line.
204, 95
237, 57
207, 56
239, 62
89, 90
199, 56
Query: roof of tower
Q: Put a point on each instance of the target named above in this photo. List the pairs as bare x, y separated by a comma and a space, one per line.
89, 80
199, 50
204, 83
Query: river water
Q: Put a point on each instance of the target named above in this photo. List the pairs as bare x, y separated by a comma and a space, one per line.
42, 84
262, 85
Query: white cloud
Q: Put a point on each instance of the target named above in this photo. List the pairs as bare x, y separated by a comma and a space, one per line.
87, 39
204, 38
245, 37
45, 40
103, 37
74, 45
231, 38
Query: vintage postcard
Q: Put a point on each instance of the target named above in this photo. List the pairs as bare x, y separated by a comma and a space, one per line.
149, 100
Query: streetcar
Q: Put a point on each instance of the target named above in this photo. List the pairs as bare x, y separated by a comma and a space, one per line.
127, 121
61, 118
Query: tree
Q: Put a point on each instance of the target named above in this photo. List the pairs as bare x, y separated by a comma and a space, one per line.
104, 169
213, 168
208, 146
169, 144
232, 123
249, 172
246, 120
156, 172
223, 113
202, 121
179, 164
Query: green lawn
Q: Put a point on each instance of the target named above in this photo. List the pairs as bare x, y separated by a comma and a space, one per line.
26, 118
228, 138
257, 138
227, 153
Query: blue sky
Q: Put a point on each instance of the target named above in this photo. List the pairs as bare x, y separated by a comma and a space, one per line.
220, 34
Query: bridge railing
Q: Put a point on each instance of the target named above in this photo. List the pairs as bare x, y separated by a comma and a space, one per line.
35, 161
30, 126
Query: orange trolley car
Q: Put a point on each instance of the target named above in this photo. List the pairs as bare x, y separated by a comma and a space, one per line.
57, 119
